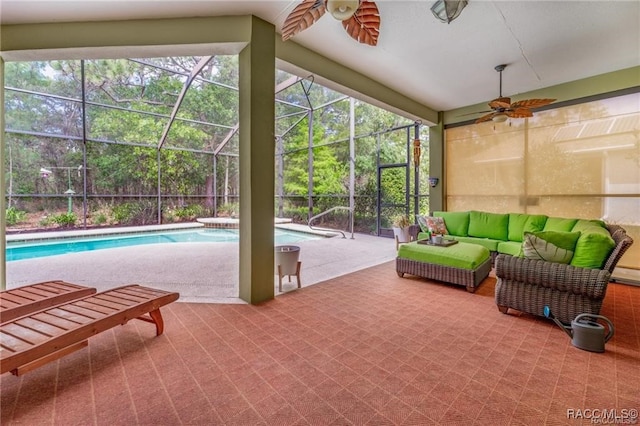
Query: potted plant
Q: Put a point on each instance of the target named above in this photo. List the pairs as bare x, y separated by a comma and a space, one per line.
401, 226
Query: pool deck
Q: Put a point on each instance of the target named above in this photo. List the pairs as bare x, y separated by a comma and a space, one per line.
200, 272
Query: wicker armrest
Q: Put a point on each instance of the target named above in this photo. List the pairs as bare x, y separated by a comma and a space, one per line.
588, 282
414, 230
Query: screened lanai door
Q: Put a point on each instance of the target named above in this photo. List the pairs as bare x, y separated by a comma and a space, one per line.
393, 195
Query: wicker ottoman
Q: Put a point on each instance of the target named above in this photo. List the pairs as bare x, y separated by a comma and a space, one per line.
462, 263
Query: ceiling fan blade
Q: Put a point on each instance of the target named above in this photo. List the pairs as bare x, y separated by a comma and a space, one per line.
531, 103
500, 103
485, 117
302, 17
519, 113
364, 25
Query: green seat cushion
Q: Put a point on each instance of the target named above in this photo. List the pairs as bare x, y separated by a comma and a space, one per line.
593, 248
463, 256
488, 225
519, 223
550, 246
457, 223
491, 245
583, 224
513, 248
559, 224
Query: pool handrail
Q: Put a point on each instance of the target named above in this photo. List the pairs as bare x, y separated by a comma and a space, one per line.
349, 209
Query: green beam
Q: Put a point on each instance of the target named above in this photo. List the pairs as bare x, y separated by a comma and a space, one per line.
36, 38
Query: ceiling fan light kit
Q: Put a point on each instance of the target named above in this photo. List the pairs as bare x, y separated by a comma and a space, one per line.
360, 18
448, 10
342, 9
502, 108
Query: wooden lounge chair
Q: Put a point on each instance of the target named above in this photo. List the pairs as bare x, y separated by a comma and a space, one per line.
35, 297
37, 338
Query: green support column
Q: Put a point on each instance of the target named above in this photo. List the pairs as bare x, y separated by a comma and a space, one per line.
3, 185
257, 163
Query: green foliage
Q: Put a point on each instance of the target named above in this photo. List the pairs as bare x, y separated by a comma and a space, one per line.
135, 213
14, 216
100, 219
229, 209
65, 220
188, 212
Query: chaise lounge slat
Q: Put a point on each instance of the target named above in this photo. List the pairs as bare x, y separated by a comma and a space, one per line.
33, 340
35, 297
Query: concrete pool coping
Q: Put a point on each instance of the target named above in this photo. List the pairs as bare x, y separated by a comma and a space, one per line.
200, 272
124, 230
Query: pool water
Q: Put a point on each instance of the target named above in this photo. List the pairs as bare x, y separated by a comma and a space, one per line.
52, 247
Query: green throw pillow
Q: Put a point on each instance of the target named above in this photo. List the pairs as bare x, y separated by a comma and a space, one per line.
551, 246
593, 248
457, 222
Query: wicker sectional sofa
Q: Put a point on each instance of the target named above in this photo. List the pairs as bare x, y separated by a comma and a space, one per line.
526, 284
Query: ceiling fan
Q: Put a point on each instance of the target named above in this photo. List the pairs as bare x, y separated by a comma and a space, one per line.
360, 18
502, 108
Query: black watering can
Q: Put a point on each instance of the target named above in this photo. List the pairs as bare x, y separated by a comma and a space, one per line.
585, 332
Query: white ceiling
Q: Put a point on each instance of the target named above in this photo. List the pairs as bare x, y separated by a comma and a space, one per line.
442, 66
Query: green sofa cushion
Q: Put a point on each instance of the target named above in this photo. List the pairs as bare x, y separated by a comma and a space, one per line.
552, 246
560, 224
519, 223
490, 244
488, 225
510, 247
593, 248
457, 223
583, 224
464, 256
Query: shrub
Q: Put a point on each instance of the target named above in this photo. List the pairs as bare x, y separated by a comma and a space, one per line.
15, 216
188, 212
100, 219
137, 213
229, 209
65, 219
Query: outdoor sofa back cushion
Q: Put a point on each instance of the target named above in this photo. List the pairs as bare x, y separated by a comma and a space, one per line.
519, 223
593, 248
583, 224
488, 225
457, 222
560, 224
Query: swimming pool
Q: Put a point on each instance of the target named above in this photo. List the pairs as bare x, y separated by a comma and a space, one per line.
52, 247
